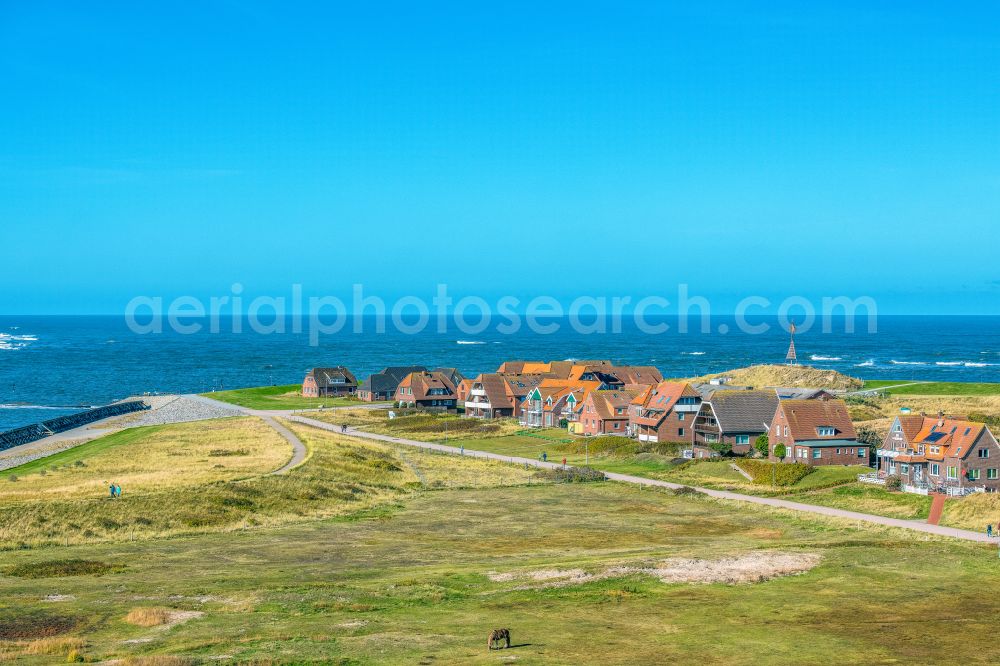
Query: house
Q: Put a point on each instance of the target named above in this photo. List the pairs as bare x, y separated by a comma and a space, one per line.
427, 390
706, 389
799, 393
495, 395
735, 418
664, 413
555, 403
816, 432
552, 369
606, 412
382, 385
452, 374
322, 382
941, 453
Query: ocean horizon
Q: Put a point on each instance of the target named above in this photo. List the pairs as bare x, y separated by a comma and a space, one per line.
57, 364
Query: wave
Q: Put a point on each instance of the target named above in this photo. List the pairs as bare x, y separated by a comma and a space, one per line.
977, 365
694, 353
895, 362
948, 363
870, 363
817, 357
469, 342
9, 341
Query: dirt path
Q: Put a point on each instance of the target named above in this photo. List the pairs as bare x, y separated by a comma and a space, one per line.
937, 508
642, 481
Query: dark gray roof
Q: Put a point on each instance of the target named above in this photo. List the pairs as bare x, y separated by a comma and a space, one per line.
389, 378
706, 390
337, 376
451, 373
799, 393
744, 411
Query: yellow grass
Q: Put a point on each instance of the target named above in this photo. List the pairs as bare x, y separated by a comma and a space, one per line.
148, 617
60, 645
342, 475
161, 458
760, 376
973, 512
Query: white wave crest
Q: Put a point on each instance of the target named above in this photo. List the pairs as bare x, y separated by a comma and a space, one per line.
895, 362
694, 353
9, 341
469, 342
867, 364
817, 357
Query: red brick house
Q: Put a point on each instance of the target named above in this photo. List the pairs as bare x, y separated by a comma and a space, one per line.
555, 402
940, 453
664, 413
607, 412
427, 390
494, 395
322, 382
816, 432
382, 385
734, 420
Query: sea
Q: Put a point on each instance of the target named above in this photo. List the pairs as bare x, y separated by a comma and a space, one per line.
55, 365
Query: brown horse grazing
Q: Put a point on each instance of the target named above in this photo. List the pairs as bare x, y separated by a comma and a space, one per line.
498, 635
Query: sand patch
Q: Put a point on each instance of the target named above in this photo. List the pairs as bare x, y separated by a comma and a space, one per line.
56, 598
755, 567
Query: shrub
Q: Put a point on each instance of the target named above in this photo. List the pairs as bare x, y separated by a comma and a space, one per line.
686, 491
782, 474
894, 483
762, 445
571, 474
219, 453
12, 478
780, 452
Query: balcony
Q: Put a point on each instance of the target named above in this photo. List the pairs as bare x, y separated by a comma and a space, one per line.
478, 392
471, 404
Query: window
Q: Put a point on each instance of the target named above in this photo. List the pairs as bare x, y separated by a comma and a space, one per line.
974, 474
861, 453
680, 416
952, 472
897, 428
786, 431
991, 473
742, 439
984, 453
826, 431
935, 449
617, 424
817, 453
904, 468
935, 469
680, 432
838, 452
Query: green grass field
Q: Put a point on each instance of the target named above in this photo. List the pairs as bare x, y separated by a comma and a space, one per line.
426, 578
934, 388
277, 397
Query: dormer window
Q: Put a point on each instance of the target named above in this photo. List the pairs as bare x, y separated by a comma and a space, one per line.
897, 428
826, 431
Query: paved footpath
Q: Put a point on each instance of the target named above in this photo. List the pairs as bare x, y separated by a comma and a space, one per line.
938, 530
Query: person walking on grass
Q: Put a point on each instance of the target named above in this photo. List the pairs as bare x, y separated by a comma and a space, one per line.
545, 456
343, 427
564, 462
118, 490
111, 489
989, 531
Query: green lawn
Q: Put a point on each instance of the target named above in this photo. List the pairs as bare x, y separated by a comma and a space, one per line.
934, 388
423, 581
288, 396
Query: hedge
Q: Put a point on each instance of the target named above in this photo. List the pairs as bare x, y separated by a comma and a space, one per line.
783, 474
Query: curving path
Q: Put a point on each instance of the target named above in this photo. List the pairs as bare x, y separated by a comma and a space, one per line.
296, 416
937, 530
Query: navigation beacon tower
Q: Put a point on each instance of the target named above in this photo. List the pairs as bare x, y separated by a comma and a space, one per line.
790, 356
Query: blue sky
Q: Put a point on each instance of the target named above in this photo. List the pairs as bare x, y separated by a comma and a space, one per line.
822, 148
